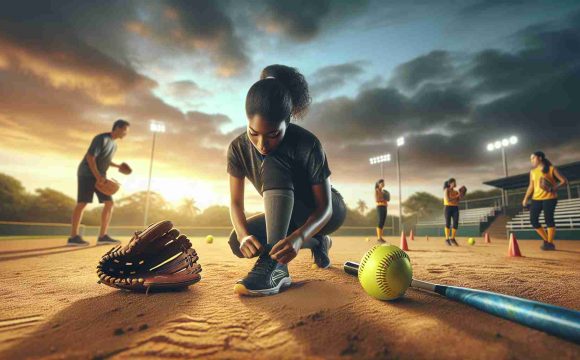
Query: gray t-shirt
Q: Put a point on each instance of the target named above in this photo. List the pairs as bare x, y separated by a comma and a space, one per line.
103, 148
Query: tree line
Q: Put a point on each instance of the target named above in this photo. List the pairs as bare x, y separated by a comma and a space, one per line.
52, 206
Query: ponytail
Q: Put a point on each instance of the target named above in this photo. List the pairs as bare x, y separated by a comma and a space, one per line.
280, 94
540, 155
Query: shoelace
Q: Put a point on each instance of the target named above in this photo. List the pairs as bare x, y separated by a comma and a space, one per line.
263, 266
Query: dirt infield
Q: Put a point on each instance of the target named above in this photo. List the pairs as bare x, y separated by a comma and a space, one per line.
52, 307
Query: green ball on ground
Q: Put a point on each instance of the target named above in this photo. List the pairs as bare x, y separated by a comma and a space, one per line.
209, 239
471, 241
385, 272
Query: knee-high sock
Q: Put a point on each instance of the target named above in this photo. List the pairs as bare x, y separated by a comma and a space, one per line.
278, 204
551, 234
446, 233
379, 233
453, 231
542, 233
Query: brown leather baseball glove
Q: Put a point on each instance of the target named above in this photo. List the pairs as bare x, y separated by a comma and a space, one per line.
124, 168
157, 258
109, 187
462, 191
546, 185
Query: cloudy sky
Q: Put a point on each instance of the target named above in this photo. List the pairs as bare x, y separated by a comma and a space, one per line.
450, 76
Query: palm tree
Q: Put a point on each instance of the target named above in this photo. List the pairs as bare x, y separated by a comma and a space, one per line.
361, 206
188, 207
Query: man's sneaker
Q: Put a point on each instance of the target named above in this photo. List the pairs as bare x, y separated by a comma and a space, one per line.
448, 242
551, 246
382, 241
76, 240
454, 242
107, 240
267, 277
320, 252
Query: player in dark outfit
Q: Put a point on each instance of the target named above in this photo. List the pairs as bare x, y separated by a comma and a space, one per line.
382, 198
288, 167
92, 170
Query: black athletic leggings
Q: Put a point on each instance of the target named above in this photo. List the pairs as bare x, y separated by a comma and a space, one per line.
452, 212
548, 206
381, 215
300, 213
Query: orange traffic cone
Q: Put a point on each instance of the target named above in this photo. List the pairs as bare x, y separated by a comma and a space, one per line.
412, 236
404, 245
514, 249
487, 238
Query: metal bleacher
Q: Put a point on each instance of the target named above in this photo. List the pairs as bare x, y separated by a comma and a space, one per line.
468, 216
567, 216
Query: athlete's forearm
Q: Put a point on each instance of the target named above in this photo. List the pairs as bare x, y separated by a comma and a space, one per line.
528, 193
238, 218
315, 222
561, 178
93, 166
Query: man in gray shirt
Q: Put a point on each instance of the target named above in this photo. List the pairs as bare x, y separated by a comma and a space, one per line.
91, 171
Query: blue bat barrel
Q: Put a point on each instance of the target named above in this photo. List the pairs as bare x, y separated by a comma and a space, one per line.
555, 320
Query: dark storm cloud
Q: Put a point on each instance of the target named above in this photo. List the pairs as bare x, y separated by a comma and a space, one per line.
366, 117
436, 104
200, 27
437, 65
543, 81
450, 109
204, 24
548, 113
302, 20
548, 51
333, 77
377, 112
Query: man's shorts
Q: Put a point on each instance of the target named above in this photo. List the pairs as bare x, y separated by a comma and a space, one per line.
86, 189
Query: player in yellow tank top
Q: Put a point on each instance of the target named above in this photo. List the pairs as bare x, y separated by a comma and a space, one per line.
451, 199
536, 176
545, 180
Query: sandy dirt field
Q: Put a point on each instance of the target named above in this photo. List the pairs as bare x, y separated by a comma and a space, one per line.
52, 307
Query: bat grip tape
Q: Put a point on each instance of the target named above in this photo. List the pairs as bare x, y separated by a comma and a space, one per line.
423, 285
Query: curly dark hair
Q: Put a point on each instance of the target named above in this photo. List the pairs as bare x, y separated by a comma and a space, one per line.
280, 94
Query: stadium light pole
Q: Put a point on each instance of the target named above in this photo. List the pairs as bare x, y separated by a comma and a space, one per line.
400, 142
502, 145
381, 159
155, 127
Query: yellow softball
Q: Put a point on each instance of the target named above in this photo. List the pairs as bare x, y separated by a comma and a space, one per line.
385, 272
209, 239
